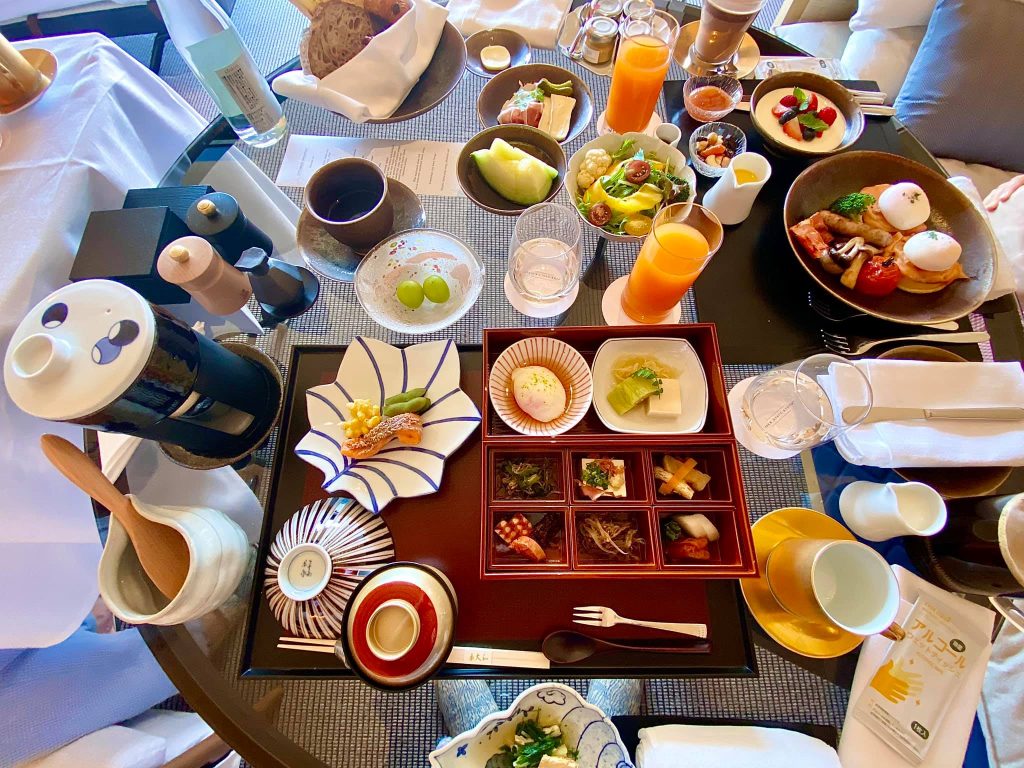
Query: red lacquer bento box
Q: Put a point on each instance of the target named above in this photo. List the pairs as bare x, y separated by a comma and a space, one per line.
565, 511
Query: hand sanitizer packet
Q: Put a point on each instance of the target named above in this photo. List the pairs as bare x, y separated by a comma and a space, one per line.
919, 677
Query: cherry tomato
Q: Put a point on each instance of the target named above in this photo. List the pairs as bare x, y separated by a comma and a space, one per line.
600, 214
878, 277
637, 171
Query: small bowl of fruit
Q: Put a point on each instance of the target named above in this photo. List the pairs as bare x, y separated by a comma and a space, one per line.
508, 168
713, 146
802, 113
619, 183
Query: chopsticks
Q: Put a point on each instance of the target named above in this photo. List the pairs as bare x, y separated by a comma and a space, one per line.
876, 110
461, 654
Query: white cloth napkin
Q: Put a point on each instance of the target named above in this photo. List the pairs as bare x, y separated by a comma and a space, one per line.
731, 746
375, 82
536, 20
915, 384
859, 747
1004, 281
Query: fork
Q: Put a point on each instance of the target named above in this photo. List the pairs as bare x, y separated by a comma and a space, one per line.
599, 616
835, 313
849, 346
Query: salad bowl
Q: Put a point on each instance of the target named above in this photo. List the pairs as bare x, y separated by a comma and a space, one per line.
613, 144
585, 729
374, 371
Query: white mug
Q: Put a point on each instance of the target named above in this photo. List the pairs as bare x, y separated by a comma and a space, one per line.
731, 200
670, 133
878, 512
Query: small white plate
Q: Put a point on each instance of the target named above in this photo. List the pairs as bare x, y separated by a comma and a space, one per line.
675, 353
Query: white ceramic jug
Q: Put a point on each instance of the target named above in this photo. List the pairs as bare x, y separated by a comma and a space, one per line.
731, 200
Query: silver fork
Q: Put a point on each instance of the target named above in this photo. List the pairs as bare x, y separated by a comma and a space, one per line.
599, 616
833, 312
849, 346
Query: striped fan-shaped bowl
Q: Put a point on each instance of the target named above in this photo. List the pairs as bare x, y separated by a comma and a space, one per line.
357, 542
564, 361
374, 371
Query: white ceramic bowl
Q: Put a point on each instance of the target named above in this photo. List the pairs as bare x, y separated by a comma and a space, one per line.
584, 727
564, 361
219, 553
611, 142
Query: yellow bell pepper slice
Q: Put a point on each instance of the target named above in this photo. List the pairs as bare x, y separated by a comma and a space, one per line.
644, 199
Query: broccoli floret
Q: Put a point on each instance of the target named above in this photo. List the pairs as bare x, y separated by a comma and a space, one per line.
852, 205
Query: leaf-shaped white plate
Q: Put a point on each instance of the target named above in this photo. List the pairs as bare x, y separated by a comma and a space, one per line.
374, 371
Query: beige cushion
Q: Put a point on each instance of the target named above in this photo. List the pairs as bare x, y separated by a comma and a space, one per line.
882, 55
891, 14
825, 39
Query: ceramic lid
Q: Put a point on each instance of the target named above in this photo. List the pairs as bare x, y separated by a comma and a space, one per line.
79, 349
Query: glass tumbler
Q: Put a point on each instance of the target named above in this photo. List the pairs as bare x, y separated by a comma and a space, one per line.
544, 261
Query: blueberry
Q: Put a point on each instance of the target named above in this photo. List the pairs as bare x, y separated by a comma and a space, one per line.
788, 115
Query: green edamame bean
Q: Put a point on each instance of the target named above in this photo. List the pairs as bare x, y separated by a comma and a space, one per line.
416, 405
406, 396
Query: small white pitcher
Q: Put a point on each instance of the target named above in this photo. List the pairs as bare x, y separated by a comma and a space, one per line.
730, 200
878, 512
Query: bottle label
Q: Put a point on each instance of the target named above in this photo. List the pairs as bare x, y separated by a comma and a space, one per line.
238, 78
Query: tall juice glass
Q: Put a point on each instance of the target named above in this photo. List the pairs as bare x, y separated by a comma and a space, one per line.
645, 52
682, 241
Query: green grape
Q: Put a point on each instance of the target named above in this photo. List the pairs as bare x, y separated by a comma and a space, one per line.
436, 289
410, 293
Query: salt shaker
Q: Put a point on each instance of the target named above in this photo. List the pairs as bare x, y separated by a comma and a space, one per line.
218, 218
193, 264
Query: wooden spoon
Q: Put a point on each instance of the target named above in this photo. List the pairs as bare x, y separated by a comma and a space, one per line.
162, 551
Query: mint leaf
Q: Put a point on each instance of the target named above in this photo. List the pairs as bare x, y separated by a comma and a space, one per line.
801, 97
813, 122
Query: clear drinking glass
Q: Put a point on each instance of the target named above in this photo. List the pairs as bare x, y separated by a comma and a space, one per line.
794, 406
543, 260
641, 64
711, 97
720, 32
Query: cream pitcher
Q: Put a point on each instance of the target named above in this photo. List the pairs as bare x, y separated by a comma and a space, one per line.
733, 194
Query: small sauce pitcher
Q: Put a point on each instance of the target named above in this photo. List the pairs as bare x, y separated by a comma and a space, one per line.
733, 194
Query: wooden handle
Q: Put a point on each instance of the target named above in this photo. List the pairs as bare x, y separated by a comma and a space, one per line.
83, 472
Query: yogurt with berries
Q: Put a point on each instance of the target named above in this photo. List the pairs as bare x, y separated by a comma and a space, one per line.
801, 119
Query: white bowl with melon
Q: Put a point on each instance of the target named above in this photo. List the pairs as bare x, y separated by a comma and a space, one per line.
669, 159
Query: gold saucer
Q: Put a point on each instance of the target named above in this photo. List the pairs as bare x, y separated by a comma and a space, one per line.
44, 61
808, 638
744, 61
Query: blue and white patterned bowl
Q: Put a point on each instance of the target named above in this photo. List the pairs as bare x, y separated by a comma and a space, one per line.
374, 371
584, 726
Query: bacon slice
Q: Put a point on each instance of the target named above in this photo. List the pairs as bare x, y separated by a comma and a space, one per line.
809, 238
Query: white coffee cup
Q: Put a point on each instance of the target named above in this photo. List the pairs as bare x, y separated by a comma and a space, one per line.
877, 511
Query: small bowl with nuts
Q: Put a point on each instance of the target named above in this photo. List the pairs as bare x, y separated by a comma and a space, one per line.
713, 146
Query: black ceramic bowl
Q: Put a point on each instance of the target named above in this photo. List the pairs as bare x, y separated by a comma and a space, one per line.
500, 88
531, 141
516, 45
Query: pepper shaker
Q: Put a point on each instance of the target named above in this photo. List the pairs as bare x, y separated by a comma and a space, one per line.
193, 264
218, 218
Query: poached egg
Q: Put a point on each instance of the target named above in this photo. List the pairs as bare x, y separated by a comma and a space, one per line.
539, 392
934, 251
905, 205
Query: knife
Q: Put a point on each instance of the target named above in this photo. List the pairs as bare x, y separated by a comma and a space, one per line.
996, 413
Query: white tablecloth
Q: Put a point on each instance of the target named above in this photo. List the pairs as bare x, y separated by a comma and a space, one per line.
106, 125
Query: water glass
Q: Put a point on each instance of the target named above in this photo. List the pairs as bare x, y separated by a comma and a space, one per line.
794, 407
544, 261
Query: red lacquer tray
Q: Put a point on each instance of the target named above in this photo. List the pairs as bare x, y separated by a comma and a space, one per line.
714, 449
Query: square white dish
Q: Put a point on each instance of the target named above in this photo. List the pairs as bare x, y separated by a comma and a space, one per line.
675, 353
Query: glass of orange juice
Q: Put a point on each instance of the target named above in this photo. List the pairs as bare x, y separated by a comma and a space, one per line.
681, 242
645, 52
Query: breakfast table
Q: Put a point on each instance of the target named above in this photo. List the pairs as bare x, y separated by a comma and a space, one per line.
282, 717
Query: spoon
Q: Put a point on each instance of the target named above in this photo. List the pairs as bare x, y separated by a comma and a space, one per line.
162, 551
568, 647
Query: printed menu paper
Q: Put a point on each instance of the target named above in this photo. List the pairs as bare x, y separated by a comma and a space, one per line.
426, 167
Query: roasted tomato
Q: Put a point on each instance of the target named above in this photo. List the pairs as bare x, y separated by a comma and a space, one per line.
600, 214
637, 171
878, 277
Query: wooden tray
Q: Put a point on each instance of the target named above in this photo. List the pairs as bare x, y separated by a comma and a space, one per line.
441, 530
714, 448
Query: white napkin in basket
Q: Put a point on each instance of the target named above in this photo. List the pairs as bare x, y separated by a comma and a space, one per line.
536, 20
731, 746
914, 384
375, 82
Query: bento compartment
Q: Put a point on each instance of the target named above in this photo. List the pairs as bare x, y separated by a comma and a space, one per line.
523, 475
710, 479
621, 470
685, 540
612, 538
545, 528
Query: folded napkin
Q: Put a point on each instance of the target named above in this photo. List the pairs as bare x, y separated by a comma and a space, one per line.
731, 746
375, 82
536, 20
947, 443
859, 747
1003, 282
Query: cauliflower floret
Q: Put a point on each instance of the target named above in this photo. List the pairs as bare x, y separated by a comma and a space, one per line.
584, 180
594, 165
